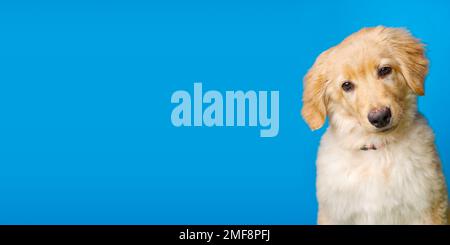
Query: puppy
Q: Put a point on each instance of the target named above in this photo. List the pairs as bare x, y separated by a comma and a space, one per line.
377, 162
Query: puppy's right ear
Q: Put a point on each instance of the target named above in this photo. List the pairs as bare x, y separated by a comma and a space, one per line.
313, 110
411, 56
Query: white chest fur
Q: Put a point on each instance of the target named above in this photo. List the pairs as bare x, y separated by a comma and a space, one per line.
391, 185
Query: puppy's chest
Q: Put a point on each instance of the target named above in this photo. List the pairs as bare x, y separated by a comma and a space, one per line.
377, 173
377, 184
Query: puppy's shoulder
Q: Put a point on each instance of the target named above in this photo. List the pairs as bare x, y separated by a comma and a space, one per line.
420, 131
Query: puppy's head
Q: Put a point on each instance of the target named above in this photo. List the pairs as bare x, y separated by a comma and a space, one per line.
369, 81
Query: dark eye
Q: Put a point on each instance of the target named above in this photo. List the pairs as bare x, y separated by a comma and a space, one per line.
348, 86
384, 71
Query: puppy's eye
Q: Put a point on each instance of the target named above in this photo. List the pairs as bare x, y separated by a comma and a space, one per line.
348, 86
384, 71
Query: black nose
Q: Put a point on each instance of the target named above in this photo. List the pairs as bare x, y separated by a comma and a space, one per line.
380, 117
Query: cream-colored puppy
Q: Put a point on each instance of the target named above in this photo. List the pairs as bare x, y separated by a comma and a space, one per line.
377, 162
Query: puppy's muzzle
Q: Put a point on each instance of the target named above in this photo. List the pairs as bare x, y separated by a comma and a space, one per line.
380, 117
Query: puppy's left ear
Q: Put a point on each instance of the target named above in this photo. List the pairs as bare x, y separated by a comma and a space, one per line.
411, 57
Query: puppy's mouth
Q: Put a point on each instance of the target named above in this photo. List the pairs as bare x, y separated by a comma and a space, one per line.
389, 128
385, 130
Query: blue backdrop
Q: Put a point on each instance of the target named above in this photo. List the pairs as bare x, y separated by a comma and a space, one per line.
85, 87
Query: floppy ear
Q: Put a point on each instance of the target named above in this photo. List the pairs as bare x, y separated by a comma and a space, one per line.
313, 110
410, 53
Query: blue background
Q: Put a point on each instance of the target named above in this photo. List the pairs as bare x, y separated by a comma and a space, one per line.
85, 86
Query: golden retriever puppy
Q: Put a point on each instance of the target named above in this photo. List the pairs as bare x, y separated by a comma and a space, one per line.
377, 162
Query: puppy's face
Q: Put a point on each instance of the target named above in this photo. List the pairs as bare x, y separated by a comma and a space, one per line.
366, 87
368, 81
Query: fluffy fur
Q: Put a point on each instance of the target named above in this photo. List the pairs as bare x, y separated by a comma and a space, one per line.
401, 182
